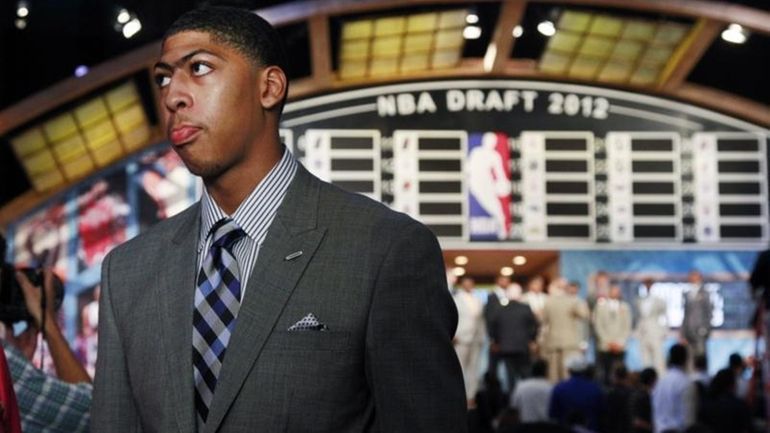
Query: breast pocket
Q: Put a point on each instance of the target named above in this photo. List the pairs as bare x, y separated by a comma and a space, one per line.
324, 341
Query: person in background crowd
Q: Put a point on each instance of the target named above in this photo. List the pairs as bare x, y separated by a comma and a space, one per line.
612, 324
700, 377
618, 408
696, 325
723, 411
579, 399
651, 328
564, 317
496, 299
536, 297
47, 404
469, 336
737, 364
512, 333
641, 402
674, 397
532, 396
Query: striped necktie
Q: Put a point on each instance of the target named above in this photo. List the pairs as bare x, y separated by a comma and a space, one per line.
217, 300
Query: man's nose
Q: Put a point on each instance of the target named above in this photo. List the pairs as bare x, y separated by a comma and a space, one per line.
178, 95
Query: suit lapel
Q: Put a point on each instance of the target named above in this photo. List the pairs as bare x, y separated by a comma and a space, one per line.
270, 287
175, 293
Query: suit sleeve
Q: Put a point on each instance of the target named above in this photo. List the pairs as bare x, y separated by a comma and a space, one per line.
113, 405
411, 366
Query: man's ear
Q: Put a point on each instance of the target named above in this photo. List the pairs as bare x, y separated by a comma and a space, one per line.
273, 85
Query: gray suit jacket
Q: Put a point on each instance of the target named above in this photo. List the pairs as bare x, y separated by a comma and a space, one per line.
374, 277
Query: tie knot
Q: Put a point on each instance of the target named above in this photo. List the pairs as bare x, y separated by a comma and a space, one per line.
225, 233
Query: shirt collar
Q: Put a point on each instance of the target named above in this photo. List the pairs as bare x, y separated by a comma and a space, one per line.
258, 208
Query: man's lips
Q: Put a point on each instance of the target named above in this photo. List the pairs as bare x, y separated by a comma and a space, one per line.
183, 134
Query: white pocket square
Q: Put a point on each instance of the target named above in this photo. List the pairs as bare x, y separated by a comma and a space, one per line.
308, 323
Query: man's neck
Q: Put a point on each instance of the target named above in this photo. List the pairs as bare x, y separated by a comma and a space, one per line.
230, 189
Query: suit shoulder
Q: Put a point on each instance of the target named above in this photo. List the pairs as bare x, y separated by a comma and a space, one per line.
345, 206
161, 231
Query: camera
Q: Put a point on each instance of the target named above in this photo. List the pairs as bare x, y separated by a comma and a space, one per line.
12, 306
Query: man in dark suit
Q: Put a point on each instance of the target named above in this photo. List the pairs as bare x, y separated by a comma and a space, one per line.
278, 303
512, 331
696, 324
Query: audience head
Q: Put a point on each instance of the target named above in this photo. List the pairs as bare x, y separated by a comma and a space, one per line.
736, 363
677, 356
620, 375
540, 368
577, 365
648, 377
467, 283
536, 284
616, 292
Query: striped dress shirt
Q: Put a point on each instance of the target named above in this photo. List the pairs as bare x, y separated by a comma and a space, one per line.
254, 215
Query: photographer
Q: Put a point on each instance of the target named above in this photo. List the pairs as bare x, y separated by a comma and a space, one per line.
46, 403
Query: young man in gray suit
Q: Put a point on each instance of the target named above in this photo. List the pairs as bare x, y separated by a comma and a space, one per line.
278, 303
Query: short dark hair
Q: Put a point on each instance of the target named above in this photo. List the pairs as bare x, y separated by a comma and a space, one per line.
648, 376
736, 361
241, 29
620, 373
539, 368
701, 362
677, 355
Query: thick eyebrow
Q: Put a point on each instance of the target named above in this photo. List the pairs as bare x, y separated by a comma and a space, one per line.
184, 59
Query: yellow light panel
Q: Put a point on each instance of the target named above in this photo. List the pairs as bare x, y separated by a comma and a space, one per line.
656, 55
615, 72
449, 39
553, 63
28, 142
418, 43
100, 134
355, 50
353, 69
387, 47
129, 118
639, 30
452, 19
421, 23
584, 67
445, 59
108, 153
574, 21
38, 163
69, 149
78, 167
415, 62
669, 34
383, 66
357, 30
47, 180
644, 75
60, 127
137, 137
596, 46
567, 42
626, 51
389, 26
91, 112
606, 25
121, 97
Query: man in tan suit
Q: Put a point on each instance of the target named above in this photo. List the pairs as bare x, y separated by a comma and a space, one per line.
564, 316
612, 324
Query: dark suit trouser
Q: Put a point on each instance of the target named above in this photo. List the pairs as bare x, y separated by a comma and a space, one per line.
607, 362
517, 367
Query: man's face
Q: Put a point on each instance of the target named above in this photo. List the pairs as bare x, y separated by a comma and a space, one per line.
210, 103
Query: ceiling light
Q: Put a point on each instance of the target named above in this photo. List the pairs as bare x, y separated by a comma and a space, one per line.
506, 271
458, 271
519, 260
735, 33
22, 10
20, 23
518, 31
471, 18
472, 32
546, 28
461, 260
81, 71
123, 16
131, 28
